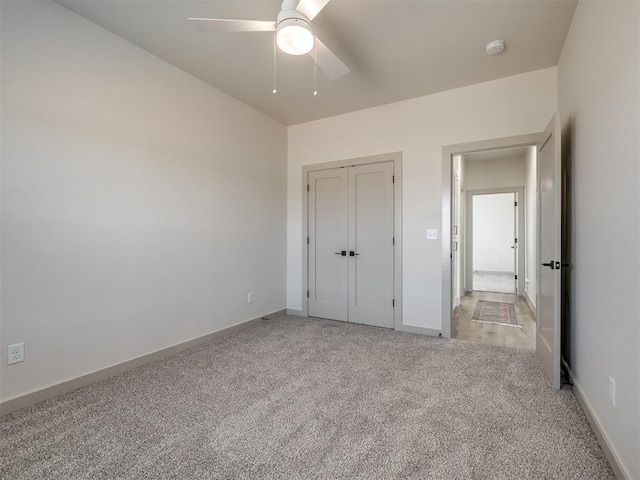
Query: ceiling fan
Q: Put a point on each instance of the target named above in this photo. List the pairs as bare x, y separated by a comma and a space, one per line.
294, 32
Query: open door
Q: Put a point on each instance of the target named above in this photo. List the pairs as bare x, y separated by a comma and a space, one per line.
549, 238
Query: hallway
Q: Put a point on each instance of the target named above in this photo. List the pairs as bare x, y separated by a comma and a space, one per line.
464, 328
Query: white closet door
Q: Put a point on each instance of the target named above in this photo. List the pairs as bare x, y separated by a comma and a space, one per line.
328, 230
371, 244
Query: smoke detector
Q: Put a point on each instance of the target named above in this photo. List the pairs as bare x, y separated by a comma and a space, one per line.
495, 47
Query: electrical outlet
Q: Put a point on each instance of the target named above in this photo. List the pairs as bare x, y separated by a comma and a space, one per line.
612, 391
250, 297
432, 234
16, 353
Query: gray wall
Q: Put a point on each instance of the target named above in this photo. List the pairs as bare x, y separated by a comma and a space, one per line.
599, 102
139, 205
497, 173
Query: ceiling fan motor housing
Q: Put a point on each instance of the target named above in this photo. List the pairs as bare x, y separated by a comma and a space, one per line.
293, 17
294, 32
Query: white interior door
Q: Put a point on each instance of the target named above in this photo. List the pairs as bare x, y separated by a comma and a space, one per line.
328, 230
371, 244
549, 237
351, 244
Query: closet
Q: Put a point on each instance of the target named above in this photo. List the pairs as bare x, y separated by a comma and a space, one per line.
351, 244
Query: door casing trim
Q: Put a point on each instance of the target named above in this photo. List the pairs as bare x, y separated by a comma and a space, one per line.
396, 158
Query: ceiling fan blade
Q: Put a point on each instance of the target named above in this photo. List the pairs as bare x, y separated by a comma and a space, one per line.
227, 25
328, 62
311, 8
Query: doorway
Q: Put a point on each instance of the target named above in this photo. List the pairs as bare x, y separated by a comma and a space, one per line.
548, 236
496, 240
493, 309
352, 241
489, 219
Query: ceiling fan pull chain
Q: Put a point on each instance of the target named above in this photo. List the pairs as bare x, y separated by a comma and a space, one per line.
275, 90
315, 67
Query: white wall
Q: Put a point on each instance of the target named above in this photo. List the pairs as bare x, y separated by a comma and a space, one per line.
498, 173
530, 205
139, 205
599, 94
493, 232
419, 128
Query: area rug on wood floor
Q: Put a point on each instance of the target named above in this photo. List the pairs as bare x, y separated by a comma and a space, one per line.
500, 313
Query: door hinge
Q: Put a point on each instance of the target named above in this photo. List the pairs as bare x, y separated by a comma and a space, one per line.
451, 255
393, 179
515, 240
515, 204
307, 187
393, 241
516, 277
393, 302
307, 240
307, 293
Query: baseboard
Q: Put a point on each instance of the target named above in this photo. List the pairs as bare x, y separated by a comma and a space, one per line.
531, 304
497, 272
276, 314
22, 401
609, 452
432, 332
403, 328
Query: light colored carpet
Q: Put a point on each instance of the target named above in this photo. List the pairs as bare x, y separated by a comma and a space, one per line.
494, 282
303, 398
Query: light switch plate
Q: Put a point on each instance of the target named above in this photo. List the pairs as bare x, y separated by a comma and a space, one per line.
432, 234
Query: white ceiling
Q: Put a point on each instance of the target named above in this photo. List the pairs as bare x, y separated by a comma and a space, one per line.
396, 49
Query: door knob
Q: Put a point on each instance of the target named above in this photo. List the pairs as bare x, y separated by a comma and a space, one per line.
550, 265
343, 253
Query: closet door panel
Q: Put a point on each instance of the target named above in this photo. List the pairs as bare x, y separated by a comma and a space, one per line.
370, 192
328, 230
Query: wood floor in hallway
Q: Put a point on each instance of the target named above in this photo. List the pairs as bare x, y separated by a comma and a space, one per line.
464, 328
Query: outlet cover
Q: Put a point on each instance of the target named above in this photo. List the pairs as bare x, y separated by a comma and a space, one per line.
432, 234
250, 297
15, 353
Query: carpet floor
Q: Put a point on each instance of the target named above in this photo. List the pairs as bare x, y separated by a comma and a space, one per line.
305, 398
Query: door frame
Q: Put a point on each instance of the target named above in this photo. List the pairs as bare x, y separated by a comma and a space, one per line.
448, 152
521, 236
457, 236
396, 158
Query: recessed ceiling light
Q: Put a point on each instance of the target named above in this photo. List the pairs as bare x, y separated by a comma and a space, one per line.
495, 47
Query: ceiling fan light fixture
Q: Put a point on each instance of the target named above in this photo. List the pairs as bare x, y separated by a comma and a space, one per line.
295, 36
